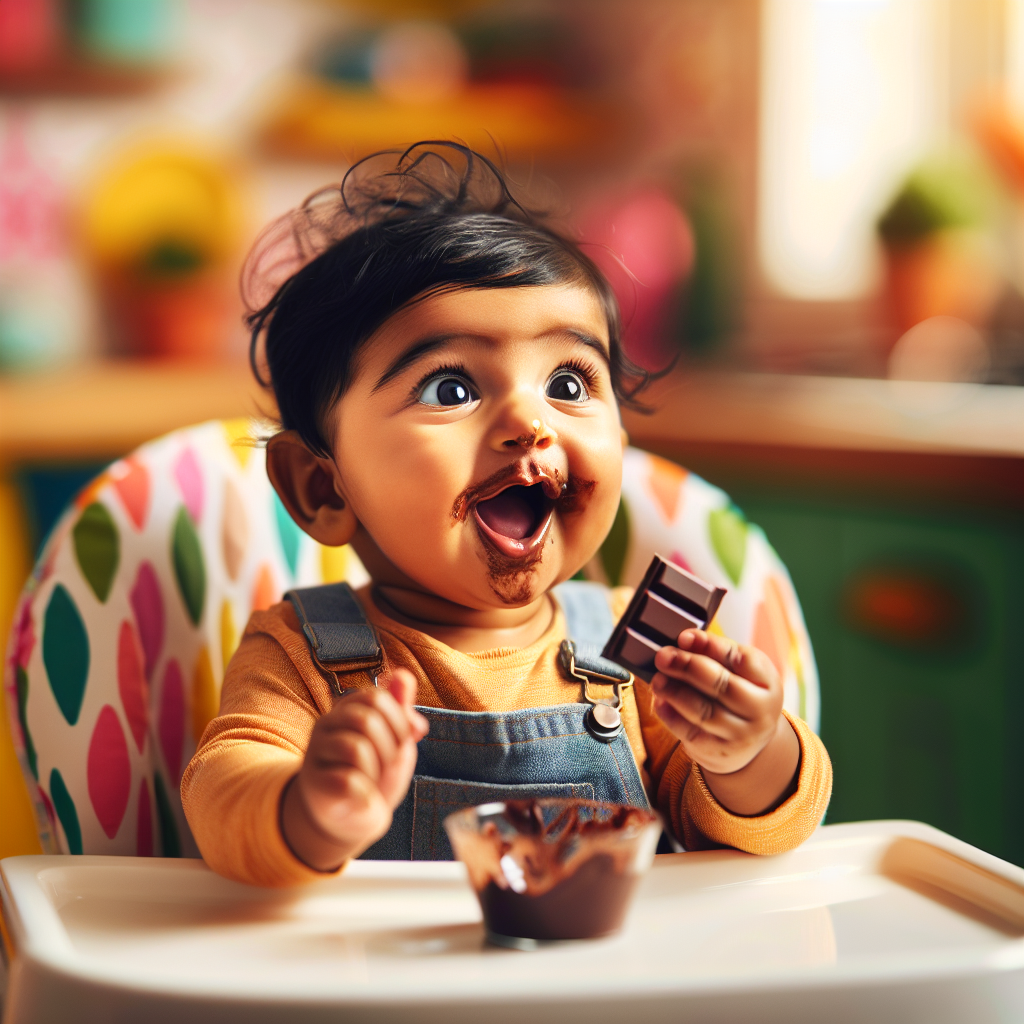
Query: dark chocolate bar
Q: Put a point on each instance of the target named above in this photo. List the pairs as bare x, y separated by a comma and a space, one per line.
668, 600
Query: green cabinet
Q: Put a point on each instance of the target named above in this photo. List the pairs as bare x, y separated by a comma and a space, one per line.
917, 620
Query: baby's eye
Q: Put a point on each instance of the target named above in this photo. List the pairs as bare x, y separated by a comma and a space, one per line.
567, 386
447, 391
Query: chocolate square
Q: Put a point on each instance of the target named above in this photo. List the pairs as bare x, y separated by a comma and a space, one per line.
665, 619
638, 652
668, 600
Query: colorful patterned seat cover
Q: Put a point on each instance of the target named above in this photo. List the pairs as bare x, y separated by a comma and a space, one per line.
138, 600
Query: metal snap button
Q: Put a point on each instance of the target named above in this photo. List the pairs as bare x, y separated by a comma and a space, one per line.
604, 723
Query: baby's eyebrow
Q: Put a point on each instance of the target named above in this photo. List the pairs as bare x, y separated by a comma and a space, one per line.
411, 355
416, 352
590, 341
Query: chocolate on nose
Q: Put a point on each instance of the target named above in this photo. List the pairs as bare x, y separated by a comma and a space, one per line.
541, 436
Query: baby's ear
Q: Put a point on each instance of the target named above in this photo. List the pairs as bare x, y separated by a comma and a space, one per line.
305, 484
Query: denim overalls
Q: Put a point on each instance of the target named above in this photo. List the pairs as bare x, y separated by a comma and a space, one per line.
475, 757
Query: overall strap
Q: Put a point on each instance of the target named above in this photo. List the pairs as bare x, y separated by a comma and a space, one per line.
335, 626
588, 624
588, 615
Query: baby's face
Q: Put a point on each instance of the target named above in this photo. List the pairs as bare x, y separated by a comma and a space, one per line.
479, 444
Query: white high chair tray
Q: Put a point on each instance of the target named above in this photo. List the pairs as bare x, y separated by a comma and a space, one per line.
877, 921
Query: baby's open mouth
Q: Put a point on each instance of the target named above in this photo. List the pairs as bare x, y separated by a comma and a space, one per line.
516, 519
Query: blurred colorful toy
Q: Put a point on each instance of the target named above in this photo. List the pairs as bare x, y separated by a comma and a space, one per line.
45, 311
125, 31
161, 226
487, 79
644, 245
943, 275
30, 34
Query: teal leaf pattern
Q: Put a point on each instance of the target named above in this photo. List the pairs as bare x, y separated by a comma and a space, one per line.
289, 533
65, 653
65, 808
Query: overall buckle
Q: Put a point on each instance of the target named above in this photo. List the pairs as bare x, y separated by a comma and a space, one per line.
603, 719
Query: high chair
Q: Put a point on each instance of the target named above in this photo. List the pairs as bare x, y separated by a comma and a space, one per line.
141, 593
113, 671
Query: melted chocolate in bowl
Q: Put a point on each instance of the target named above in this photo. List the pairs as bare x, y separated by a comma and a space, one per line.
553, 869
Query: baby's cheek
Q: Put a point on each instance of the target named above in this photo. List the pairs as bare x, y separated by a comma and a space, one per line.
585, 527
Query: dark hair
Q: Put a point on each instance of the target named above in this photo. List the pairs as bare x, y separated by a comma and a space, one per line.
402, 224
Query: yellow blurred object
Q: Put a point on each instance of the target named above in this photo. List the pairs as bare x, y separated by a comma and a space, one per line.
165, 194
320, 121
160, 225
18, 833
334, 563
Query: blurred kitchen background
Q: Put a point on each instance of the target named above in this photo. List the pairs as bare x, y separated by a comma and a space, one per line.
814, 209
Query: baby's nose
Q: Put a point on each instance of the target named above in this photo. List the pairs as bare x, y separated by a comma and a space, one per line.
540, 435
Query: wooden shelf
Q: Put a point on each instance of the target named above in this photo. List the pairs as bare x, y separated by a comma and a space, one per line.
958, 444
74, 77
845, 413
108, 407
103, 409
319, 120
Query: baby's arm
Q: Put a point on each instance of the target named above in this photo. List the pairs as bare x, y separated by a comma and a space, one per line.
233, 789
356, 771
701, 817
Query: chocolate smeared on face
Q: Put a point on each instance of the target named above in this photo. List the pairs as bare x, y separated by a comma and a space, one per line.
513, 509
507, 476
570, 494
575, 495
510, 579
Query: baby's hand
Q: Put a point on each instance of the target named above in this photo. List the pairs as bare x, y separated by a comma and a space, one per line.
357, 769
724, 703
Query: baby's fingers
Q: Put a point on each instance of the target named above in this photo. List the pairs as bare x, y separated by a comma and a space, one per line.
699, 743
740, 696
740, 659
401, 684
347, 749
697, 709
358, 709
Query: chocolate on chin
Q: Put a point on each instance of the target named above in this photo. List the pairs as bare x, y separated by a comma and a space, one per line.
668, 600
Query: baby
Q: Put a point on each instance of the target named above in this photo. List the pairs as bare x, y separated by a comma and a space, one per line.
448, 371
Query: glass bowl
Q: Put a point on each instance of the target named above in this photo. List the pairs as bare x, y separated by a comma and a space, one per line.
547, 870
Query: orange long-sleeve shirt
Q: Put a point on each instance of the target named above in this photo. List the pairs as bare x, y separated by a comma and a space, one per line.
273, 694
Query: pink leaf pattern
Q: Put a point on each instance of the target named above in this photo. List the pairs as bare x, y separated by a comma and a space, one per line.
109, 771
24, 635
148, 606
190, 482
131, 683
678, 559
